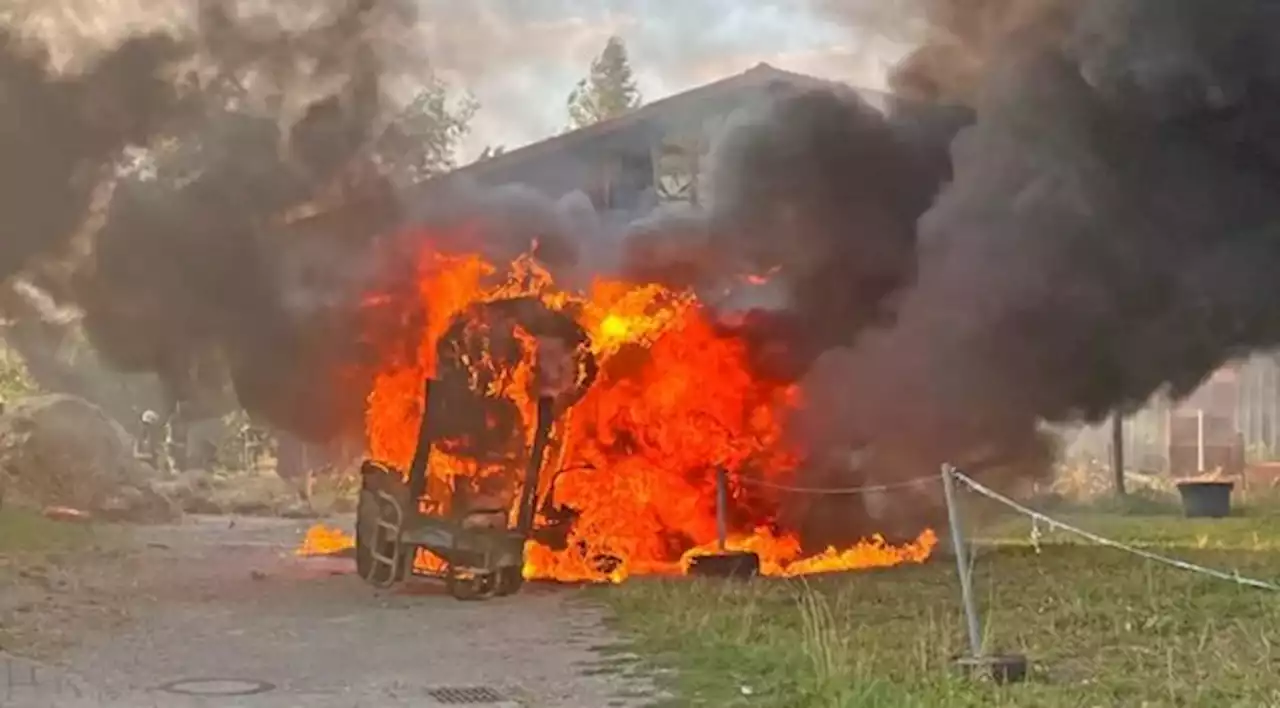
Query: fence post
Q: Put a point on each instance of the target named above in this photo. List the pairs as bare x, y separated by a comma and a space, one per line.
1200, 441
1117, 452
722, 508
962, 562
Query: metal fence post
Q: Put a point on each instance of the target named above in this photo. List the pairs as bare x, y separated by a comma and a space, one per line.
1117, 452
962, 562
722, 508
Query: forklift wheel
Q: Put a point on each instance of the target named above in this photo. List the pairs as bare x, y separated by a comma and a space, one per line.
509, 582
475, 587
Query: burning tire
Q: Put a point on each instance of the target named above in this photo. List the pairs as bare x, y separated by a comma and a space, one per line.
740, 565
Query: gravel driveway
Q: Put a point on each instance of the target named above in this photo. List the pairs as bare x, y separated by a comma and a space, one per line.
222, 606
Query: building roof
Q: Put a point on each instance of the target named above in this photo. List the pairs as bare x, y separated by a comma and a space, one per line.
758, 77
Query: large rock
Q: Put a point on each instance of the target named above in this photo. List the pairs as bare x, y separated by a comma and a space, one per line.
63, 450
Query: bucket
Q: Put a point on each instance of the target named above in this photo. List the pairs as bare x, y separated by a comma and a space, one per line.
1206, 500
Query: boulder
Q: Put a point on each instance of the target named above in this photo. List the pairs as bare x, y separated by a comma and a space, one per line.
59, 450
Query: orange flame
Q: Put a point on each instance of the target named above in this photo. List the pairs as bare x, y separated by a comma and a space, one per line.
674, 402
324, 540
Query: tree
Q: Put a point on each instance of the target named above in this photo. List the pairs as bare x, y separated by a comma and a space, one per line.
15, 380
608, 91
422, 142
491, 151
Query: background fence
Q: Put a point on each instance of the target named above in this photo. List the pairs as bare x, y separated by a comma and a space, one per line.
1240, 406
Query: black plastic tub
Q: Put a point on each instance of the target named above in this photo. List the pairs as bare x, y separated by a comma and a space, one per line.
733, 564
1206, 499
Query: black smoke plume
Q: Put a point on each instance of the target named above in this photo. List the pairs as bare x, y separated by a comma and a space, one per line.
59, 132
1110, 232
817, 192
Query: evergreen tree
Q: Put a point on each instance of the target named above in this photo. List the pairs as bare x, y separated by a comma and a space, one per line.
608, 92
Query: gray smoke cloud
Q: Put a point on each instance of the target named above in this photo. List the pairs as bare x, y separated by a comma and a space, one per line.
194, 274
504, 222
952, 43
187, 273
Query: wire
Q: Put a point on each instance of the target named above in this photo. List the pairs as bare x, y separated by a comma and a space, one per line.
1055, 524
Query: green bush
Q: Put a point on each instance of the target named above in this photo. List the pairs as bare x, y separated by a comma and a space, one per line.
15, 381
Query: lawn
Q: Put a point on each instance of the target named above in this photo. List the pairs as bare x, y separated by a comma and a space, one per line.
32, 550
1102, 627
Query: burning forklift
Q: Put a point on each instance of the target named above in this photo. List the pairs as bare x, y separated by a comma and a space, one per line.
475, 527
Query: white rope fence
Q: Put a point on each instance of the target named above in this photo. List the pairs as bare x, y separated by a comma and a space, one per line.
1053, 524
950, 476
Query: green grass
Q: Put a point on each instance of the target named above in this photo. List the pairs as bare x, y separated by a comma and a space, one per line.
1102, 627
25, 532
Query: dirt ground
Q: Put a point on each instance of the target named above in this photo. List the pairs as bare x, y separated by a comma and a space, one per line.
224, 605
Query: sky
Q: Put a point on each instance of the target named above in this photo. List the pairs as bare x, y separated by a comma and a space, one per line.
521, 58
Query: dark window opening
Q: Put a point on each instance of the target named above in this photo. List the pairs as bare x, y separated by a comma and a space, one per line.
634, 177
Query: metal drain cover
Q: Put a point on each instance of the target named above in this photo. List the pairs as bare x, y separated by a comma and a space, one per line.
217, 687
466, 695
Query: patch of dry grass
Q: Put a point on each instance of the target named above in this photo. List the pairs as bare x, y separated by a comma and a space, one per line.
1102, 627
41, 576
